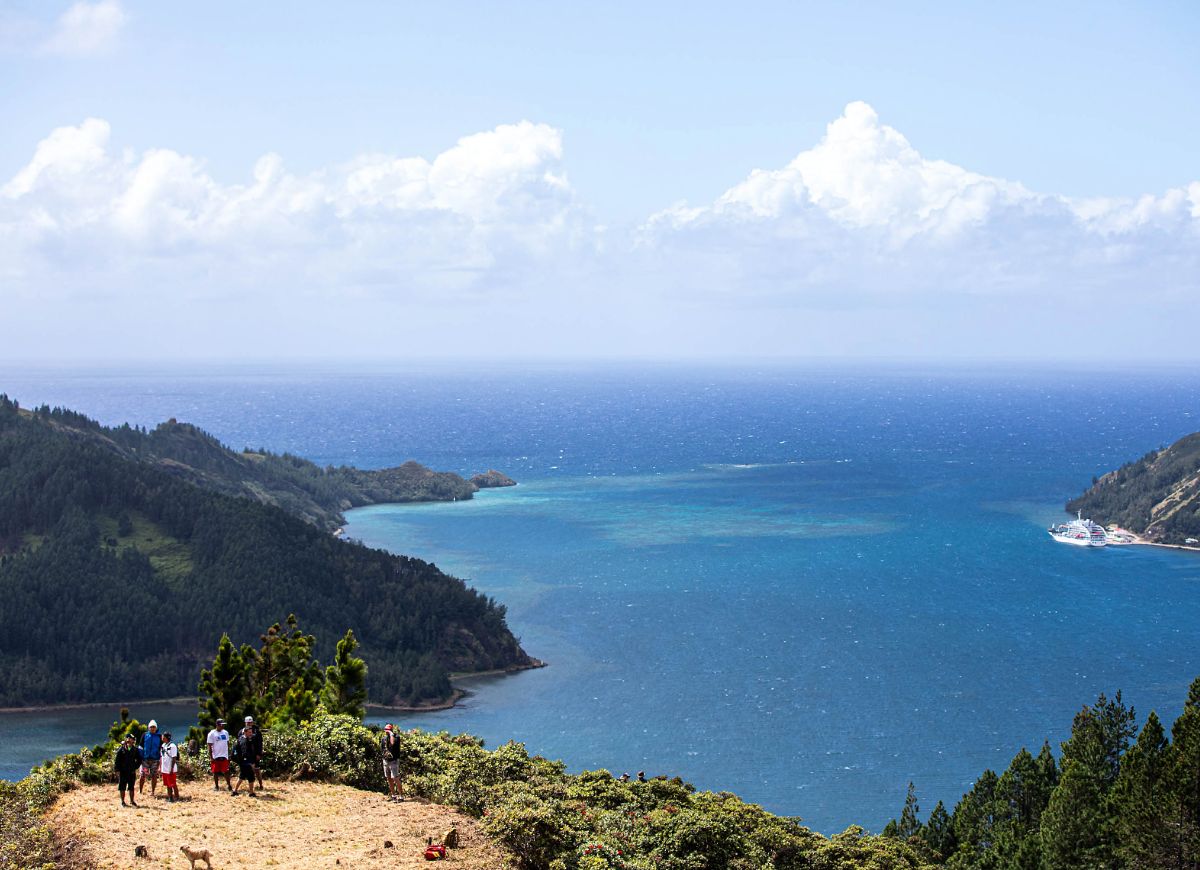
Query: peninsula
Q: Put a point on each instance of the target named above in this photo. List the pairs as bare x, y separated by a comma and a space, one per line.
125, 554
1157, 497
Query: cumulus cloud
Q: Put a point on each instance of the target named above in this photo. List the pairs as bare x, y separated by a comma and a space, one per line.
860, 244
863, 212
87, 29
493, 202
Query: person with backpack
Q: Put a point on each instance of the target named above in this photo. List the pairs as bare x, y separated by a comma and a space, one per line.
126, 762
151, 757
389, 747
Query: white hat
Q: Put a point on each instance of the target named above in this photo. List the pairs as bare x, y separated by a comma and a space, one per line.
152, 724
249, 719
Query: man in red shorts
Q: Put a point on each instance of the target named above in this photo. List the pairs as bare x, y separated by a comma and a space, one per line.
170, 767
218, 753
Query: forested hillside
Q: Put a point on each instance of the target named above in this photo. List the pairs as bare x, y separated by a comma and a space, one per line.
316, 494
117, 578
1117, 797
1157, 496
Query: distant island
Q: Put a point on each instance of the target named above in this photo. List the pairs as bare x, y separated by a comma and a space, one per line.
1157, 497
125, 554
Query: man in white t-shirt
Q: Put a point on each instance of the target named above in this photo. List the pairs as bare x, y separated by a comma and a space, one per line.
218, 754
170, 767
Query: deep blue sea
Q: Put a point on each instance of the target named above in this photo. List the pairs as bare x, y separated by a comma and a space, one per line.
807, 586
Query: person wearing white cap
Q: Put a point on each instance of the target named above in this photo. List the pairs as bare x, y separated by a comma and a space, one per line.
253, 732
151, 756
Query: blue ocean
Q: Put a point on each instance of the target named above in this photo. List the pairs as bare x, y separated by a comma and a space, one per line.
805, 585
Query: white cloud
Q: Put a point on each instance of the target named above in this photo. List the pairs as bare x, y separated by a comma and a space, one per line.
860, 244
863, 212
87, 29
484, 209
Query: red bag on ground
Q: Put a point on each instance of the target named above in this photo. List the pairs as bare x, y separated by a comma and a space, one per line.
436, 852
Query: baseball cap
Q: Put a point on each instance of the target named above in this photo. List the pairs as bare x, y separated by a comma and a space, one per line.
220, 721
249, 719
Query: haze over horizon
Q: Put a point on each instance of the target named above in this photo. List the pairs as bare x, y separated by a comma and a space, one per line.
406, 181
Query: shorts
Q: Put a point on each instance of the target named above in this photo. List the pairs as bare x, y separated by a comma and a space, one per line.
169, 780
125, 780
391, 768
246, 770
220, 765
150, 768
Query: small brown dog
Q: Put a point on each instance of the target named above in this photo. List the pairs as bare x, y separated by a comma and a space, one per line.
450, 839
195, 855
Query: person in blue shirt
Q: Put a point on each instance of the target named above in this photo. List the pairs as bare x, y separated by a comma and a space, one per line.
151, 749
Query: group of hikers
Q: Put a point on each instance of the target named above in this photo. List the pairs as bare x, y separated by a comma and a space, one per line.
157, 755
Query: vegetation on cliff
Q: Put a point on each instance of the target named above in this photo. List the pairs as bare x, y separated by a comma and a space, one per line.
117, 578
303, 488
1157, 496
1115, 798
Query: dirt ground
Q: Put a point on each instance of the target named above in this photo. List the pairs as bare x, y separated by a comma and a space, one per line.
290, 824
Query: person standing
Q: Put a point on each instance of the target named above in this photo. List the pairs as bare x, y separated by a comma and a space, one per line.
389, 746
170, 767
256, 740
151, 756
244, 753
127, 761
218, 754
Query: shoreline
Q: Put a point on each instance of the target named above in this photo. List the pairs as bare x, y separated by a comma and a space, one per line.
96, 705
1138, 540
455, 696
458, 694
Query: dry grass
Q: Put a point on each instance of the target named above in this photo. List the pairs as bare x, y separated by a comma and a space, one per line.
289, 825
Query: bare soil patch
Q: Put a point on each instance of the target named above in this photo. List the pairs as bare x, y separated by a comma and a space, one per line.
291, 824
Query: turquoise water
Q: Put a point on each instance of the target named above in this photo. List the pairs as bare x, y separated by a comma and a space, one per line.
805, 586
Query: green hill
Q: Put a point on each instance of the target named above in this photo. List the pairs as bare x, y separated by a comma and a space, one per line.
316, 494
1157, 496
118, 573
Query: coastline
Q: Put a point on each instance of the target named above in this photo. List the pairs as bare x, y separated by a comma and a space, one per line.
458, 694
455, 696
1134, 539
97, 705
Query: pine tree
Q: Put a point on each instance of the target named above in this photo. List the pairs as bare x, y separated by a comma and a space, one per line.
346, 680
910, 825
938, 833
1076, 829
224, 689
1185, 778
284, 667
973, 822
1141, 803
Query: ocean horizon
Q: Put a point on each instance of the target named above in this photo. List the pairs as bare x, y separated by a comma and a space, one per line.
808, 585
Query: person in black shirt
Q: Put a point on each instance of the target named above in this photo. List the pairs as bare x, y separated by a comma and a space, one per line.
127, 761
389, 747
256, 737
244, 755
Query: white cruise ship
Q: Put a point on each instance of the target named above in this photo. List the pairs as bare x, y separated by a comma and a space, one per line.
1080, 532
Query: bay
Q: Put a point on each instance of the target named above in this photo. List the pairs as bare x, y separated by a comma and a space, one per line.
804, 585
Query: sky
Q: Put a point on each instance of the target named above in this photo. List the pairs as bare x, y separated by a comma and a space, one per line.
373, 181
